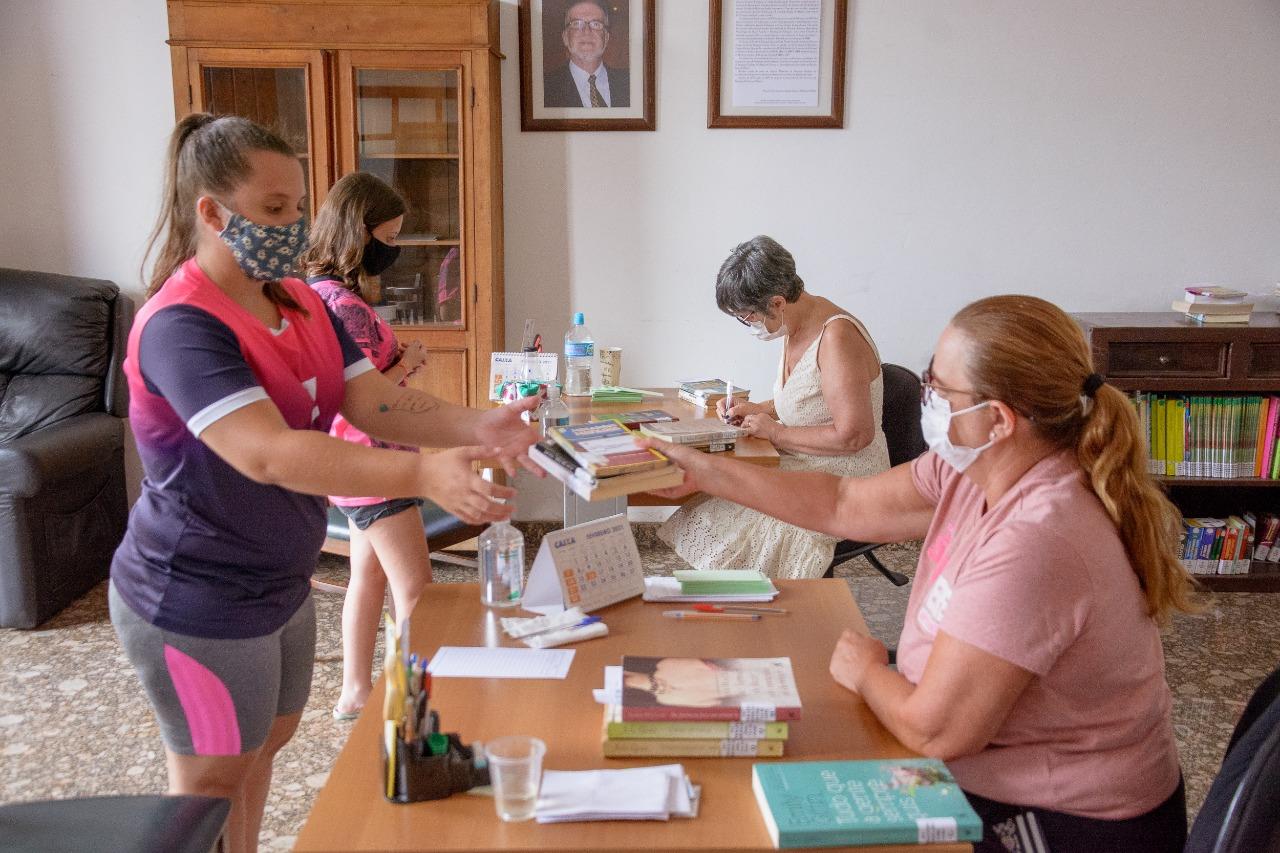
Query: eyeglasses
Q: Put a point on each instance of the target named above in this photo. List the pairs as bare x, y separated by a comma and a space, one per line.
580, 24
928, 387
741, 320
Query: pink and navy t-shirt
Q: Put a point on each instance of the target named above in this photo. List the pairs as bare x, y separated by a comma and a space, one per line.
1041, 579
209, 552
377, 341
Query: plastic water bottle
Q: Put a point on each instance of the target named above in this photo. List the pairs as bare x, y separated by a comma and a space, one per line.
553, 412
501, 549
579, 354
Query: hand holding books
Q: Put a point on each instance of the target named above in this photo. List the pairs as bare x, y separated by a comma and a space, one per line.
687, 459
510, 437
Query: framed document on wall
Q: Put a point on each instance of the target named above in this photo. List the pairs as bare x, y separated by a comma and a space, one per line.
776, 63
586, 64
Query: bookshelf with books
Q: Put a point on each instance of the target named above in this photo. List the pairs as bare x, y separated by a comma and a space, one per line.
1205, 393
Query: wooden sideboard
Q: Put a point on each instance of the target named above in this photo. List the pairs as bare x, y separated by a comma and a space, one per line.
1165, 352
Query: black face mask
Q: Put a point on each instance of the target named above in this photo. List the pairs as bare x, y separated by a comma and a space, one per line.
378, 256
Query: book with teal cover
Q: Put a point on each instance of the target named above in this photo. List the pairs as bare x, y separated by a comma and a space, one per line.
850, 803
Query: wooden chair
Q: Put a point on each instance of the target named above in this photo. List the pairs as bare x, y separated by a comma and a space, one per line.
900, 420
442, 529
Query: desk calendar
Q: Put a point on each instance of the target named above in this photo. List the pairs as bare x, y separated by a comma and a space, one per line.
587, 566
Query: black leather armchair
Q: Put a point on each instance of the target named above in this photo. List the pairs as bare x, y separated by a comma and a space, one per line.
63, 401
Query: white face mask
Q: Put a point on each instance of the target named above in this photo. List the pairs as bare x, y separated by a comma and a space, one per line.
762, 334
935, 423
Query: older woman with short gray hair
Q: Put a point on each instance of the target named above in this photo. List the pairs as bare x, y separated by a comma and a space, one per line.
824, 415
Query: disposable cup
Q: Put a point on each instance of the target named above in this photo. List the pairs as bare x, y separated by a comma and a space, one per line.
515, 768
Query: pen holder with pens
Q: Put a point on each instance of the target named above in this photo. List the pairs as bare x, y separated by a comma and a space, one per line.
434, 766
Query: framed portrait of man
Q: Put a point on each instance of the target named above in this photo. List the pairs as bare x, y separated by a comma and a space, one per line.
586, 64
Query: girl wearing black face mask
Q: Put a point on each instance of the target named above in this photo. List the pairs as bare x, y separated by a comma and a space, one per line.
352, 243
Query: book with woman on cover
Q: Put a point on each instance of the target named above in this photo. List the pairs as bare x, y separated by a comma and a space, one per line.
670, 688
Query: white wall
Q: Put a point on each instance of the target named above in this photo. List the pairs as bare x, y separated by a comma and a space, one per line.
1096, 153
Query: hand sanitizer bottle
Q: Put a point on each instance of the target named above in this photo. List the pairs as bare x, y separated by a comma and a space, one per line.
501, 549
553, 412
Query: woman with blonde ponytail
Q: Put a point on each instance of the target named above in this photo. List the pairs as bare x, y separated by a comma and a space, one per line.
236, 370
1030, 658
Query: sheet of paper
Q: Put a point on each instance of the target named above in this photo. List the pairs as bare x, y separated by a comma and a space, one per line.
482, 662
776, 47
636, 793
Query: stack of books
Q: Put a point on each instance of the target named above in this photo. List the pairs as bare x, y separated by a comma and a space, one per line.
700, 707
600, 460
708, 392
1210, 303
1225, 546
1220, 437
705, 433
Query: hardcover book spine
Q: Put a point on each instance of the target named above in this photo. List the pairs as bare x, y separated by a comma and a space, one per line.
698, 731
687, 748
759, 713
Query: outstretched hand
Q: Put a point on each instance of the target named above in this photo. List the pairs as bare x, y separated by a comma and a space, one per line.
509, 436
450, 480
689, 461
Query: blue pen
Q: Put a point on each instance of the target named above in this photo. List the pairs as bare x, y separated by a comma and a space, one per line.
589, 620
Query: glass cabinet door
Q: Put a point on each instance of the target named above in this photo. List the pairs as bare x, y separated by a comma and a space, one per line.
407, 132
276, 89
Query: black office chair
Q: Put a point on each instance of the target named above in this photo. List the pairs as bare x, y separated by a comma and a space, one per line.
900, 420
131, 824
1241, 813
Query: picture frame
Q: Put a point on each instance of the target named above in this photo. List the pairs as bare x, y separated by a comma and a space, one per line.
751, 83
560, 58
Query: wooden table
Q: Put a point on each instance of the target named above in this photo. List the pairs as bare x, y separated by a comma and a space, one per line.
351, 814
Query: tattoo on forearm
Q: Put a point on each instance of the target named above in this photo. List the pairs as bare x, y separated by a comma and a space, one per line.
413, 402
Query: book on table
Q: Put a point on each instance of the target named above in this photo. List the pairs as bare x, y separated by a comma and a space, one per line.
557, 462
696, 433
723, 582
673, 739
839, 803
631, 420
675, 688
1184, 307
606, 448
708, 392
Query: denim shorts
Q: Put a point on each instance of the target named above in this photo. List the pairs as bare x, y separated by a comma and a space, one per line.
364, 516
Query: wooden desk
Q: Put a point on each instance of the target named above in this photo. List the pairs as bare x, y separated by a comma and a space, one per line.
351, 814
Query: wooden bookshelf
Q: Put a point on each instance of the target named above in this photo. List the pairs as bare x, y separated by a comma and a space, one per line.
1164, 352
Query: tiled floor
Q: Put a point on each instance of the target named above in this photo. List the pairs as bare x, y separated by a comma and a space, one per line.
67, 692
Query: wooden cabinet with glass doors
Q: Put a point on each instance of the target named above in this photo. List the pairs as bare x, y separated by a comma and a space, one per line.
406, 91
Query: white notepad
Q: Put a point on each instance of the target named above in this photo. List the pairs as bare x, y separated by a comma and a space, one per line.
636, 793
482, 662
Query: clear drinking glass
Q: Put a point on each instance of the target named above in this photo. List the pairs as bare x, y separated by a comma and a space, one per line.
515, 769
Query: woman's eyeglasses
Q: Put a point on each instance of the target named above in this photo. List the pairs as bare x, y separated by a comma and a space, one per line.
928, 387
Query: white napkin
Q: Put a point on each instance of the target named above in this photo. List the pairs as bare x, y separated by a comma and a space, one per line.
636, 793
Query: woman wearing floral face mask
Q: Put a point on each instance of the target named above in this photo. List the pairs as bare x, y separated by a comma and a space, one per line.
236, 370
1030, 659
824, 415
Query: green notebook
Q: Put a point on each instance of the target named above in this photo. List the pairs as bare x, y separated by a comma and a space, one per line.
848, 803
722, 582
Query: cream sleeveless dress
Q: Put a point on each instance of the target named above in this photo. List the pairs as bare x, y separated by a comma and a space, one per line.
713, 533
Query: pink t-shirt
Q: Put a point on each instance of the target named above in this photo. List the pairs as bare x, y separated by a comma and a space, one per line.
1042, 580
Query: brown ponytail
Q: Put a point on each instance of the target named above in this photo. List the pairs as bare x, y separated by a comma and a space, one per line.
1028, 353
206, 154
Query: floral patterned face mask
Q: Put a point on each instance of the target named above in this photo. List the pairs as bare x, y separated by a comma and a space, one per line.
264, 252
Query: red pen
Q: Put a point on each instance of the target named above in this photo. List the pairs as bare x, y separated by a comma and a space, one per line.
729, 608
